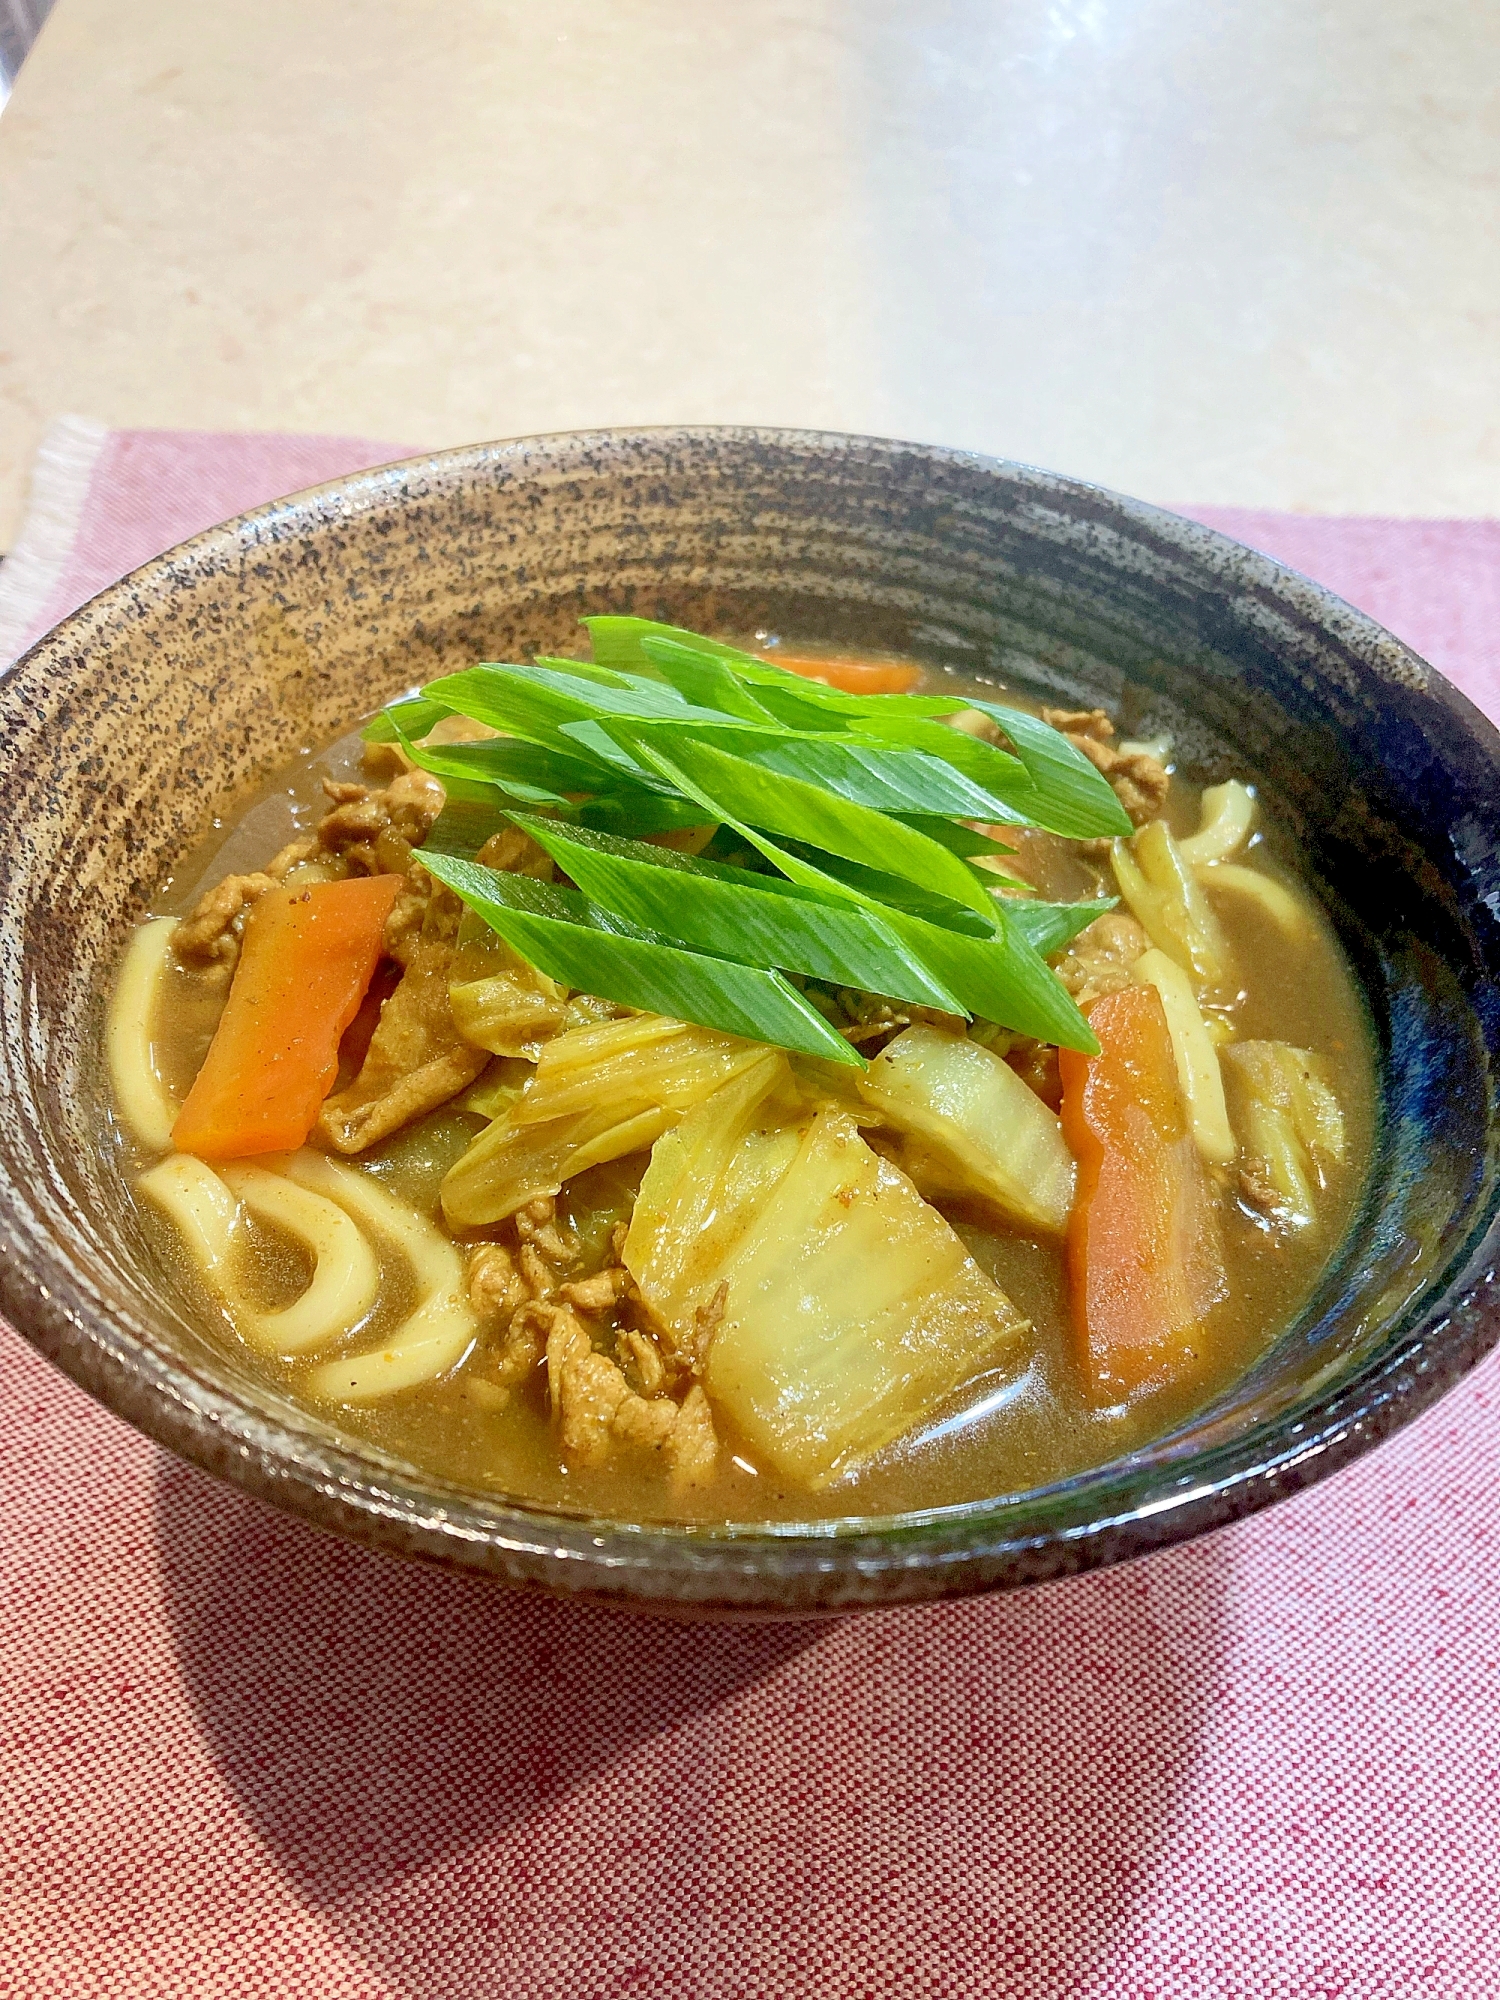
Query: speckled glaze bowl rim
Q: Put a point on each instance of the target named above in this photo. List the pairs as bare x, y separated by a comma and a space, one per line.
1121, 1509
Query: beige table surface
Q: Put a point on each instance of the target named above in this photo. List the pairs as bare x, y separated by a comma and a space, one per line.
1217, 250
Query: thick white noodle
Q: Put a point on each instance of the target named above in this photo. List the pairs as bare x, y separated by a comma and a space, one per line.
1164, 896
206, 1208
1283, 908
437, 1335
1197, 1059
207, 1215
346, 1273
1228, 816
143, 1103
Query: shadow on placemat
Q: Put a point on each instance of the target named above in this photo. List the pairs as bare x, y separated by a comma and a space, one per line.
472, 1787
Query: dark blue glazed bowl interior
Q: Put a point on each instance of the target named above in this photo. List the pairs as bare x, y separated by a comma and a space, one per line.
315, 609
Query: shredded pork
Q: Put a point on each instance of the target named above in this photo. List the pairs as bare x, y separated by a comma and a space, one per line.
211, 935
1140, 781
1099, 959
603, 1405
374, 832
417, 1059
597, 1410
364, 832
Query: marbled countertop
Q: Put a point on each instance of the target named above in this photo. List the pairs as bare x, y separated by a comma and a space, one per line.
1208, 250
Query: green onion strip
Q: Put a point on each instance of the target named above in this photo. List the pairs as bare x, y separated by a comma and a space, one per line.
863, 805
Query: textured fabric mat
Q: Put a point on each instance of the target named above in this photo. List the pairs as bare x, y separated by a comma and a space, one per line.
238, 1758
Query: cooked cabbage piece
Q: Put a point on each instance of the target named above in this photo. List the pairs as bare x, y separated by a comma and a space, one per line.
598, 1094
497, 1089
499, 1002
704, 1182
830, 1308
1290, 1125
975, 1128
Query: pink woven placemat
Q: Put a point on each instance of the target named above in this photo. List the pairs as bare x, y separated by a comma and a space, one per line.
239, 1759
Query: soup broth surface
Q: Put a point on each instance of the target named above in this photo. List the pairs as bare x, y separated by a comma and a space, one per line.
1006, 1433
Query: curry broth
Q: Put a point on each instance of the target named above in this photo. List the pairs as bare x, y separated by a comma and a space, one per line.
1006, 1434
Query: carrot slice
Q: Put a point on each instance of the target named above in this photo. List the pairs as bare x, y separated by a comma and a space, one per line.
853, 676
306, 959
1145, 1262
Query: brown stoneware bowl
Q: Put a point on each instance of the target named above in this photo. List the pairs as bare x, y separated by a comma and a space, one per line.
172, 693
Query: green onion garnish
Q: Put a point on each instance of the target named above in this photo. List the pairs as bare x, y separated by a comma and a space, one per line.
860, 803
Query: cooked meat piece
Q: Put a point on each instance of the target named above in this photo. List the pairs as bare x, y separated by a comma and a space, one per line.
536, 1225
1141, 782
1099, 959
404, 925
536, 1274
496, 1288
644, 1420
520, 1301
305, 852
867, 1015
512, 852
597, 1409
638, 1351
602, 1292
692, 1450
524, 1344
417, 1058
501, 1279
568, 1343
590, 1392
375, 832
364, 831
519, 1353
212, 933
1076, 722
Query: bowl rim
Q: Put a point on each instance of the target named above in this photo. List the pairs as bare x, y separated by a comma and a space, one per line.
777, 1567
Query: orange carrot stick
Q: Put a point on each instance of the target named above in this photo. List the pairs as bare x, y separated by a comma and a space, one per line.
1145, 1262
853, 676
305, 961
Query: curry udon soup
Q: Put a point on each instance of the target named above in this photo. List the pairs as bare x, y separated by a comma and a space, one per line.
718, 1085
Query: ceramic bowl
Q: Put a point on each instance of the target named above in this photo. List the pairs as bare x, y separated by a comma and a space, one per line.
173, 692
